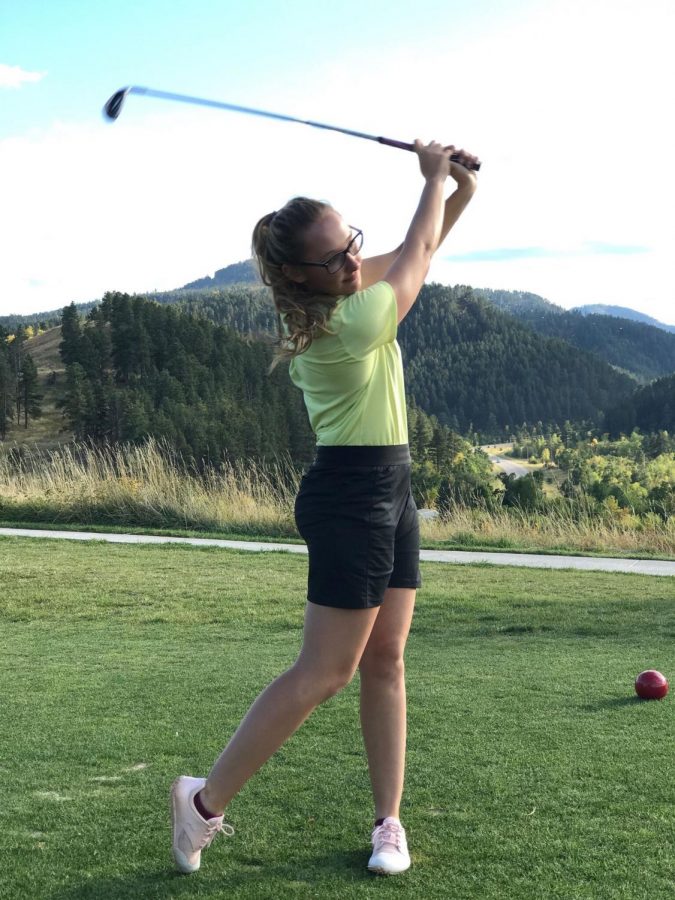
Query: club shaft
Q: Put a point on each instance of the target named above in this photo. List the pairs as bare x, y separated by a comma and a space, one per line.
232, 107
218, 104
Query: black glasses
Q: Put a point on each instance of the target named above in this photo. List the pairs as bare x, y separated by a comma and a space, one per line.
336, 262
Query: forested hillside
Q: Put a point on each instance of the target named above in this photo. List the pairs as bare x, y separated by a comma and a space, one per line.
35, 321
466, 363
248, 309
19, 382
136, 368
643, 350
521, 304
651, 408
472, 365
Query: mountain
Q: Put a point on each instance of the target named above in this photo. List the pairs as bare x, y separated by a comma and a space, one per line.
642, 350
635, 347
467, 363
234, 296
621, 312
238, 273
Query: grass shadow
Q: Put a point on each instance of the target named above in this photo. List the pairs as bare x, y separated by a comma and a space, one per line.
339, 869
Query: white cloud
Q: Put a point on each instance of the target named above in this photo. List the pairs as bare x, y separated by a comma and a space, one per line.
624, 281
15, 76
139, 205
567, 107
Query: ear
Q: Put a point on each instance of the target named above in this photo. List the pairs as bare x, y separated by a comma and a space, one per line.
294, 273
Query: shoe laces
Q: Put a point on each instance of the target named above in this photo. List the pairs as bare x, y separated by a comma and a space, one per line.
389, 833
212, 829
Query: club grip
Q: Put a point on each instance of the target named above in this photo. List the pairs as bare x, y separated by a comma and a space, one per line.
475, 167
401, 145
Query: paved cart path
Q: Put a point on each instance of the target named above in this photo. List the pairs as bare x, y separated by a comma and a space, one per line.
531, 560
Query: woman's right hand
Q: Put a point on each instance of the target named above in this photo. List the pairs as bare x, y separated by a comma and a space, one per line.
434, 160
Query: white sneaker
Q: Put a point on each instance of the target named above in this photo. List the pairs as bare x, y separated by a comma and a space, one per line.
191, 833
390, 848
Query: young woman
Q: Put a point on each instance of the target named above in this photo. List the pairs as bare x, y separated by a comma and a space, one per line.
354, 509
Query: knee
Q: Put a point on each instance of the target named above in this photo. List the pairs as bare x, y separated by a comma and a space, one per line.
320, 685
383, 659
335, 681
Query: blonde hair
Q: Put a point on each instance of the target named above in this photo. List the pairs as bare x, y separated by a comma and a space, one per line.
278, 238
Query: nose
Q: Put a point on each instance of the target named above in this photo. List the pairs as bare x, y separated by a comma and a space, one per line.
352, 262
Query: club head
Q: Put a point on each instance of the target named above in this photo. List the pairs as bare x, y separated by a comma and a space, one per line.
113, 107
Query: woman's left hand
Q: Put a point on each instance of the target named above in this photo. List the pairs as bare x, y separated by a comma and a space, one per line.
465, 177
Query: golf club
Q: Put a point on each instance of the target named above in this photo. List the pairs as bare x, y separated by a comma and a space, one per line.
113, 108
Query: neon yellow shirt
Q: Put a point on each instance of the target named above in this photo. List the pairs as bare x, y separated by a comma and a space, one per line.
352, 381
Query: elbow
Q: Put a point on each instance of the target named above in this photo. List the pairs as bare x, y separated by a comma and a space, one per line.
428, 253
425, 248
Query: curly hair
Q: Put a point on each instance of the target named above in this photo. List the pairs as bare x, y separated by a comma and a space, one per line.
278, 239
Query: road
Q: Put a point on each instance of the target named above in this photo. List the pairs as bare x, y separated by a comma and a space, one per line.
529, 560
505, 463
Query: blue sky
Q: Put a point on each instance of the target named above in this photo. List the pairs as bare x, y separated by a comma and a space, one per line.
567, 103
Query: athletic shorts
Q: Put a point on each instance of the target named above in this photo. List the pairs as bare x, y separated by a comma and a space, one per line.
356, 513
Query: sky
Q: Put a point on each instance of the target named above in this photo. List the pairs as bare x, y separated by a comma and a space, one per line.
566, 102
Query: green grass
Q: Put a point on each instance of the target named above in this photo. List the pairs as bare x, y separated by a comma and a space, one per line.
533, 771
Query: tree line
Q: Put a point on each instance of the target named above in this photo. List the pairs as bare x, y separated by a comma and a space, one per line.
136, 368
467, 363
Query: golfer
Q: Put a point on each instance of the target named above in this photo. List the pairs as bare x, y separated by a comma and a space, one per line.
354, 509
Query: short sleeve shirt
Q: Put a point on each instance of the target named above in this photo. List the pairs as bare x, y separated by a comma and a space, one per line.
352, 381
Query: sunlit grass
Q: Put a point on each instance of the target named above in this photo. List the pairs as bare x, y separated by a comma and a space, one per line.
532, 769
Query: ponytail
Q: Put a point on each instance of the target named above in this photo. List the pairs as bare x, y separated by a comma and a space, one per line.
278, 238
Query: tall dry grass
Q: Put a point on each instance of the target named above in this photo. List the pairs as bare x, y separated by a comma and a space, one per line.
580, 529
151, 485
148, 484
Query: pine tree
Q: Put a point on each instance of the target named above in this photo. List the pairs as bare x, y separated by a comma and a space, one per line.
71, 335
16, 355
29, 389
7, 391
77, 402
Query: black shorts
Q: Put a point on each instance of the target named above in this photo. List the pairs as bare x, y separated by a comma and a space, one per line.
356, 512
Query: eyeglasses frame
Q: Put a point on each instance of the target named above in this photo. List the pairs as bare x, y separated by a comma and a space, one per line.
324, 265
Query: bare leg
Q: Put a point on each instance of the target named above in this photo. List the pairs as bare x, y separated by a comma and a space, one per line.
333, 643
383, 699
